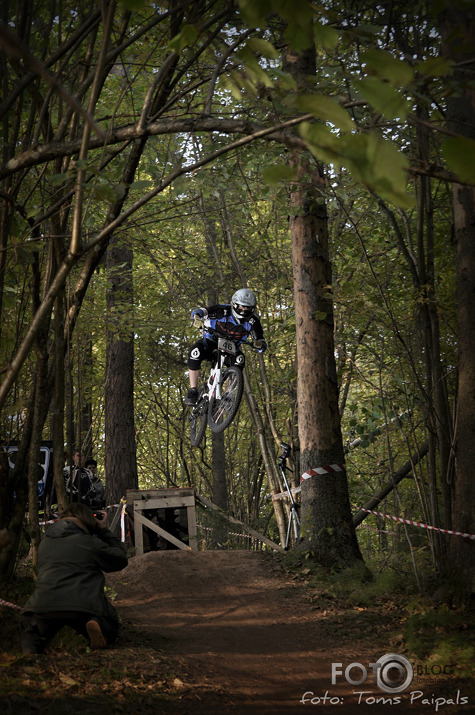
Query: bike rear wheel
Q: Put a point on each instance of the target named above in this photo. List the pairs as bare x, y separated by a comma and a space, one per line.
199, 418
222, 412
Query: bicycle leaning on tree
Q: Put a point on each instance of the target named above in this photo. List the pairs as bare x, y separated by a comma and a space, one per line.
220, 396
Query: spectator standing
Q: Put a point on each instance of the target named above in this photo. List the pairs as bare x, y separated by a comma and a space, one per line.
96, 498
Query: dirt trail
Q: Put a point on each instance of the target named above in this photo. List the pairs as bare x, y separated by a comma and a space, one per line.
249, 638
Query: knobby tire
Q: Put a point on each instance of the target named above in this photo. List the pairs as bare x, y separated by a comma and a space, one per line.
199, 419
222, 412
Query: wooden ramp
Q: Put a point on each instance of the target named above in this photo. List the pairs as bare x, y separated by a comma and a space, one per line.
149, 505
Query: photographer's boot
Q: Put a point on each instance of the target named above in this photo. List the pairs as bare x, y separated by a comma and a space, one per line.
95, 635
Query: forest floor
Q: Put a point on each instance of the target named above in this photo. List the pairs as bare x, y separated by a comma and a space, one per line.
220, 632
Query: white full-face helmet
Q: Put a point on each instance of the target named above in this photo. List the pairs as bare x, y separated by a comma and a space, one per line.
243, 303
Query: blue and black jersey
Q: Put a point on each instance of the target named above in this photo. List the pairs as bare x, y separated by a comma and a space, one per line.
220, 318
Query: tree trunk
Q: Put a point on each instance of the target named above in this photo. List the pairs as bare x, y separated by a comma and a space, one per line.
461, 119
462, 551
42, 398
120, 446
327, 530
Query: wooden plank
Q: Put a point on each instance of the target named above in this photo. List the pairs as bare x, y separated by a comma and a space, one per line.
146, 522
192, 532
144, 494
138, 534
206, 502
165, 503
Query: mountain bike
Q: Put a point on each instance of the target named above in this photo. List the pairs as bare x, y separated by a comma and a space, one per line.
219, 398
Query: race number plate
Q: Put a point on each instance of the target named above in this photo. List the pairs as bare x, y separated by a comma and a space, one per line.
226, 346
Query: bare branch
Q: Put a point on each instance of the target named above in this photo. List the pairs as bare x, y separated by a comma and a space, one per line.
18, 50
55, 150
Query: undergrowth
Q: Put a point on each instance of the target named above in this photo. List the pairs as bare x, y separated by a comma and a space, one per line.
437, 637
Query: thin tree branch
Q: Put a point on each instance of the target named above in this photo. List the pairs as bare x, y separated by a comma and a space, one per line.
18, 50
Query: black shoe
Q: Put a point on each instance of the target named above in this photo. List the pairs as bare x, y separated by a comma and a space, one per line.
192, 396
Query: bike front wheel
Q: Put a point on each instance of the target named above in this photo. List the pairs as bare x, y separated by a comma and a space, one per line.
222, 412
199, 418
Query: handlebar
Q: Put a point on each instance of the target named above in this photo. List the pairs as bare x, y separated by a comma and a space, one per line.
199, 323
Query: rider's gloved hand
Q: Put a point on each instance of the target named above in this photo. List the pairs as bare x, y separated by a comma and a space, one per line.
199, 313
261, 345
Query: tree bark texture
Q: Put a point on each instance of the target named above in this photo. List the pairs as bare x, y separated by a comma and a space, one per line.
327, 530
120, 446
463, 517
461, 119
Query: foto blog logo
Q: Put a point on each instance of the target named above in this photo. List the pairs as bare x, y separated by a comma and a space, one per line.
392, 673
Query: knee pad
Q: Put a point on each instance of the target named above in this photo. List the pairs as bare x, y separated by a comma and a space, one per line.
240, 360
195, 357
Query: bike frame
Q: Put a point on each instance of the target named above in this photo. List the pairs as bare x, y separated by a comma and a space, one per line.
221, 405
214, 377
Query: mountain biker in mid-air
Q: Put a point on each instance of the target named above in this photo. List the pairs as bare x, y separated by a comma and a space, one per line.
236, 320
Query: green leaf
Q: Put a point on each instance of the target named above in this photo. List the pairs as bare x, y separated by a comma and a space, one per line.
104, 192
59, 179
285, 80
254, 12
320, 315
184, 38
387, 170
132, 4
323, 143
230, 83
374, 161
325, 36
385, 65
459, 153
263, 47
278, 172
120, 190
435, 67
299, 37
257, 74
383, 97
141, 184
327, 109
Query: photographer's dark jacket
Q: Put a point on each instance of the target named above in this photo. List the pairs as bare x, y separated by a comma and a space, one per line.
70, 570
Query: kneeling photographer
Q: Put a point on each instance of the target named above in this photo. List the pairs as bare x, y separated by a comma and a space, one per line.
72, 557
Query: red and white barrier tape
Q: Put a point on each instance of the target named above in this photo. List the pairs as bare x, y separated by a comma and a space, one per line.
327, 469
230, 533
10, 605
418, 523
